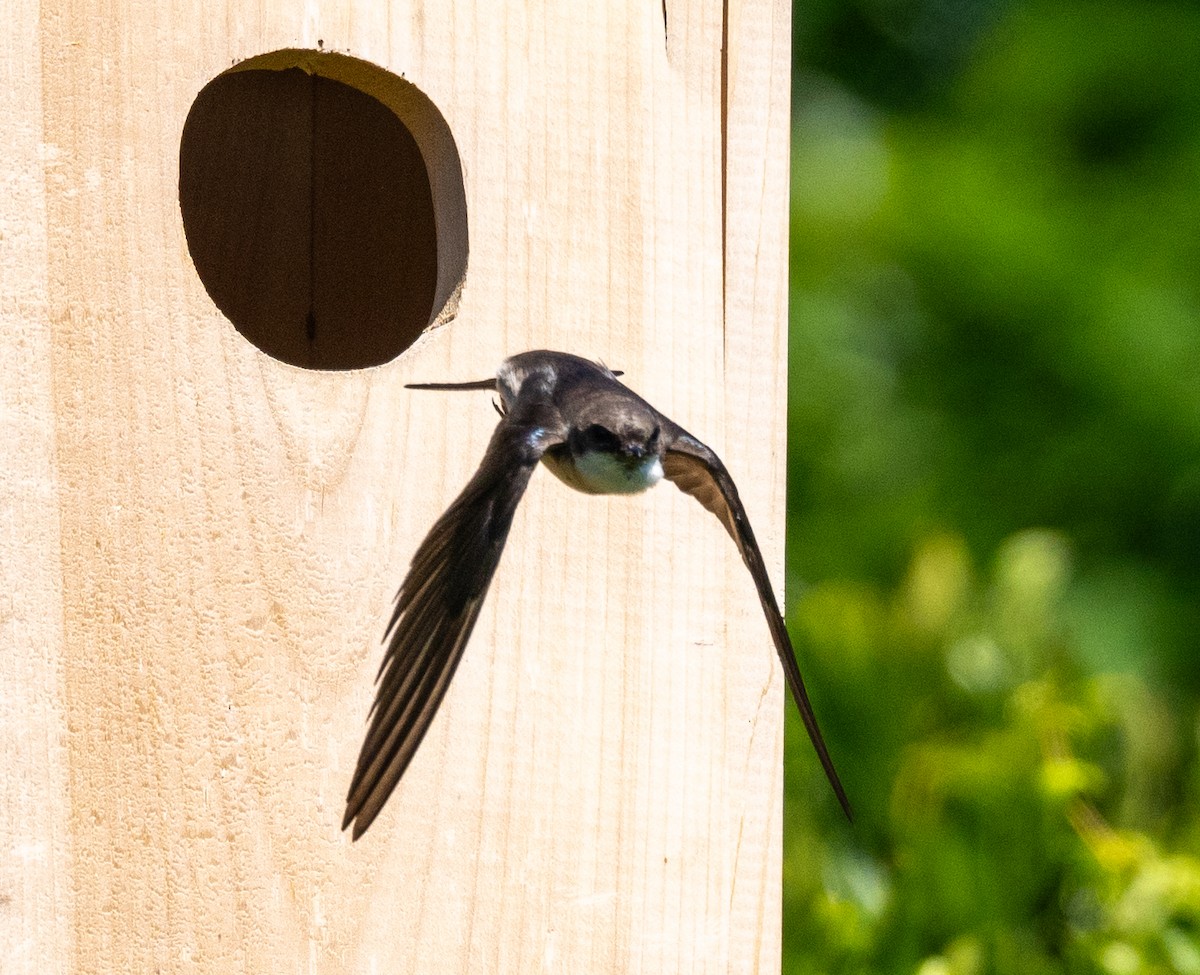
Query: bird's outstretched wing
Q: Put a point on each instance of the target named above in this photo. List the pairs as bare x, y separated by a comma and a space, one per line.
438, 604
697, 471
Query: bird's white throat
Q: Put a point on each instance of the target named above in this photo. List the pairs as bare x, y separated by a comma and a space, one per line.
604, 473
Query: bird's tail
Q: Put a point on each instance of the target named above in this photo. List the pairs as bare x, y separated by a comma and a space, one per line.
478, 384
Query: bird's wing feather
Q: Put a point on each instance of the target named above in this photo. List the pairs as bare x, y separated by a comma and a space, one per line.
696, 470
438, 604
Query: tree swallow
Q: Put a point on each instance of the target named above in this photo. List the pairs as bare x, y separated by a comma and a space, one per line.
595, 435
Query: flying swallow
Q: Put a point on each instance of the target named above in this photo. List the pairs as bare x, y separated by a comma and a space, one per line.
596, 436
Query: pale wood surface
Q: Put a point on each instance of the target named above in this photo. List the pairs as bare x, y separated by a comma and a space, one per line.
200, 545
36, 895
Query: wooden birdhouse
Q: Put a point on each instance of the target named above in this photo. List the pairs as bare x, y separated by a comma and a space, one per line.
229, 235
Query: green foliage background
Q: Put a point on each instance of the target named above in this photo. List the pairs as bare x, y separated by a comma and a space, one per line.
994, 487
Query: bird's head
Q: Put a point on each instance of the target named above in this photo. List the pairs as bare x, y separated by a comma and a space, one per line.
629, 443
618, 458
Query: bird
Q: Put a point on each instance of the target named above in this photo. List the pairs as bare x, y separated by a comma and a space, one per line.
596, 435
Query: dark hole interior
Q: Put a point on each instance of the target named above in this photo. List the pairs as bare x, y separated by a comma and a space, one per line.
309, 217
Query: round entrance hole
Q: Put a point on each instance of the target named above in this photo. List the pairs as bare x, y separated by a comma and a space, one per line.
324, 209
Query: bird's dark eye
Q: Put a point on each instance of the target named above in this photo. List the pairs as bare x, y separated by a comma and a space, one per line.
601, 437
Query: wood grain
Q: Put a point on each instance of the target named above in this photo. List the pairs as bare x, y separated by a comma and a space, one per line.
36, 895
200, 543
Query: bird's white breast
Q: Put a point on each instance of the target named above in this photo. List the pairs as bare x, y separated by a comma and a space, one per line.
598, 472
